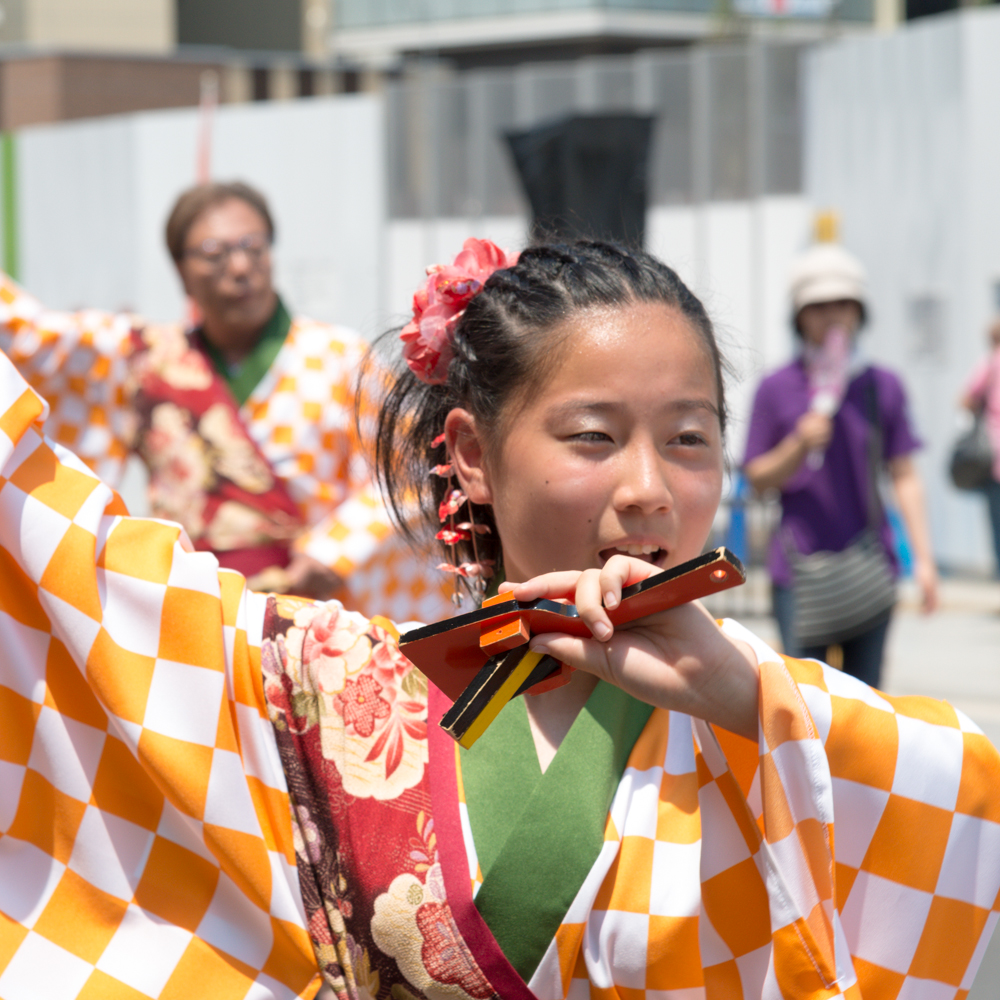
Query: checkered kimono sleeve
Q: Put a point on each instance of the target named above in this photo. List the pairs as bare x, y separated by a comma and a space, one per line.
319, 365
349, 526
79, 363
873, 829
145, 836
917, 851
350, 534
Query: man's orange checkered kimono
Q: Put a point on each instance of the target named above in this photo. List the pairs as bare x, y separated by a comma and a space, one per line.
90, 368
206, 792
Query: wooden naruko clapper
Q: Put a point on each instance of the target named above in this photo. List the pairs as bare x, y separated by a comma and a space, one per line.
480, 659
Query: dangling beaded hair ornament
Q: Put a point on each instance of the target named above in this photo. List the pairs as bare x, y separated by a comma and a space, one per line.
429, 347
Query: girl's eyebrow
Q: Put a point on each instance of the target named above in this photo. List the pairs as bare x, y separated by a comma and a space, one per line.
698, 403
572, 406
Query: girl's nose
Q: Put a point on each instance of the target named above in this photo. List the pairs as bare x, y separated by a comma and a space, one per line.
643, 484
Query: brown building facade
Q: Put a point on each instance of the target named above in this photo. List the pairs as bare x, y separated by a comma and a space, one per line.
38, 88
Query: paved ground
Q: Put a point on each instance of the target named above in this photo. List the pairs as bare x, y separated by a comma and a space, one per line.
955, 655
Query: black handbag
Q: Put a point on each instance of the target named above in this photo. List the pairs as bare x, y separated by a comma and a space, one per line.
841, 595
971, 465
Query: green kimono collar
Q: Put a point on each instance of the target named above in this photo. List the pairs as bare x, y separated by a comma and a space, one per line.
538, 835
244, 377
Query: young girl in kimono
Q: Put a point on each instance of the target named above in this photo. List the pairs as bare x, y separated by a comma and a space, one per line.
247, 789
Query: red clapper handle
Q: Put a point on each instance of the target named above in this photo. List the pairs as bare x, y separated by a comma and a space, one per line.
451, 653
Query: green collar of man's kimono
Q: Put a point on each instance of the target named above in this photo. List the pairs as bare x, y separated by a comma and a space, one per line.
538, 835
245, 376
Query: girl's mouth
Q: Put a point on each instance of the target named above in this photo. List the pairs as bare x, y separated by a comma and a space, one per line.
648, 553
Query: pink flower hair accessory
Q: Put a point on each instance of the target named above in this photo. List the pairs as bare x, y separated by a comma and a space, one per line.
439, 303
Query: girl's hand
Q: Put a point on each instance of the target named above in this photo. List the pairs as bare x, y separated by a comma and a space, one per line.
677, 659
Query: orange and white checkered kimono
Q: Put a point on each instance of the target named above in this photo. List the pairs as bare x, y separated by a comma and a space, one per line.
855, 852
300, 416
149, 846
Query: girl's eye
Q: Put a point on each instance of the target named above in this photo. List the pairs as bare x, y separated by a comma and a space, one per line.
592, 436
689, 439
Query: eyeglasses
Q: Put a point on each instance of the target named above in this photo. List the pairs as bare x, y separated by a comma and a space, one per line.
216, 253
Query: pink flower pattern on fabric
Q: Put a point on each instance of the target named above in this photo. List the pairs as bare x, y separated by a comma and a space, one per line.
440, 302
376, 907
360, 705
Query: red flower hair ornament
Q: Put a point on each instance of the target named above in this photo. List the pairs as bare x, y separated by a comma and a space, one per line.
439, 304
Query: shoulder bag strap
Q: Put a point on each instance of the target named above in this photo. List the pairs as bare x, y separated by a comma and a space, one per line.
874, 450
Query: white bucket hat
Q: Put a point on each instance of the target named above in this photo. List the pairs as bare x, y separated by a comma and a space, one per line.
826, 272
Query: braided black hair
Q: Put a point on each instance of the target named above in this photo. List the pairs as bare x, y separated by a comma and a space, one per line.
504, 349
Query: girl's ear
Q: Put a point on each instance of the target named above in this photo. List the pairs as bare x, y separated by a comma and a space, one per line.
466, 449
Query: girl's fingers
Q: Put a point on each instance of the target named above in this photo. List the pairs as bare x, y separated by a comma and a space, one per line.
592, 590
589, 604
583, 589
550, 585
618, 572
622, 571
584, 654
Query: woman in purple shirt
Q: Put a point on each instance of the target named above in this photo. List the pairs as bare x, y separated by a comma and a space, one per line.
819, 459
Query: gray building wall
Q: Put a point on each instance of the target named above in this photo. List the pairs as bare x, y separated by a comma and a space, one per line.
727, 125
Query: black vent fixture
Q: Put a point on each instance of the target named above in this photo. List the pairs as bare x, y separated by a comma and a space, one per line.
586, 176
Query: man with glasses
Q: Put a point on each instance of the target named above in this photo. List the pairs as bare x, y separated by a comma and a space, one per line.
245, 421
